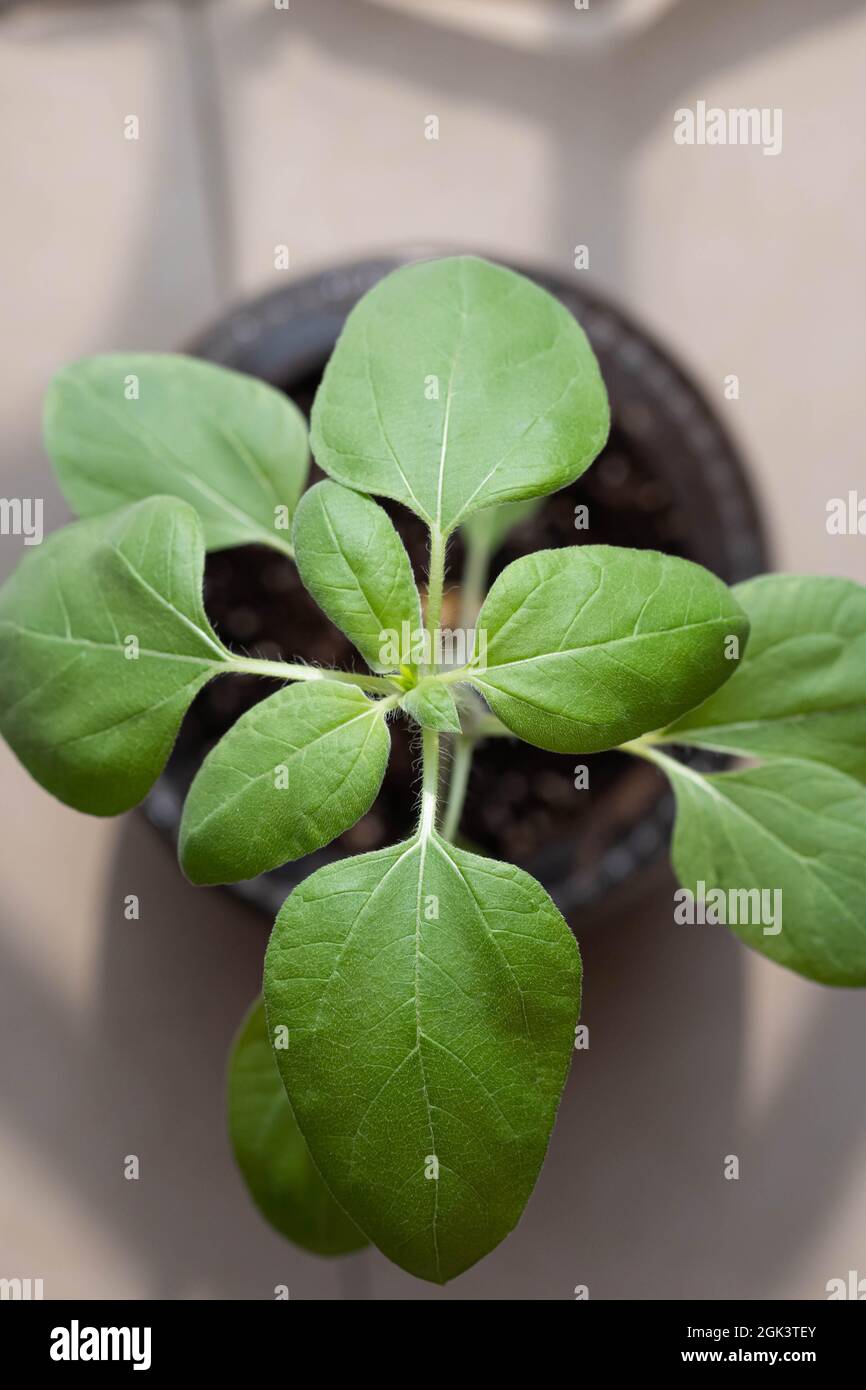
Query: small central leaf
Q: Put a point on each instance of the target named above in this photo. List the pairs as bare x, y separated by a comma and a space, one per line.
356, 567
432, 705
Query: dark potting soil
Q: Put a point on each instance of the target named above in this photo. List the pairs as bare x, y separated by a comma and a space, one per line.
522, 804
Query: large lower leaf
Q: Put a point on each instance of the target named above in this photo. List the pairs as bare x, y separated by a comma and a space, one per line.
126, 426
590, 646
103, 644
792, 829
431, 998
456, 384
800, 690
275, 1162
356, 567
292, 773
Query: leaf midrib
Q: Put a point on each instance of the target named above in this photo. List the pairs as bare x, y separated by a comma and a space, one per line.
603, 642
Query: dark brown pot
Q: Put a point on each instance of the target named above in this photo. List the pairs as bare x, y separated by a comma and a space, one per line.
668, 479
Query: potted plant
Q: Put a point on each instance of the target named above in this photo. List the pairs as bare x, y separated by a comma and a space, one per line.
421, 1000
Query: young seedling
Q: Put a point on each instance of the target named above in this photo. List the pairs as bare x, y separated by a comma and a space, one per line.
421, 1000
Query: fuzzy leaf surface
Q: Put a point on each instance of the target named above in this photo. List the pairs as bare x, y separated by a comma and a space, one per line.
431, 998
432, 706
592, 645
294, 772
355, 565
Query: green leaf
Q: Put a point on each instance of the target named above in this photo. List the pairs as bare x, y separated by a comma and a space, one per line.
432, 705
590, 646
456, 384
356, 567
431, 998
800, 690
232, 447
790, 827
270, 1151
294, 772
103, 644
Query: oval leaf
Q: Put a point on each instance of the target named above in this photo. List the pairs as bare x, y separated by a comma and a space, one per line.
497, 397
356, 567
786, 844
294, 772
103, 644
590, 646
432, 705
274, 1160
122, 427
800, 690
431, 998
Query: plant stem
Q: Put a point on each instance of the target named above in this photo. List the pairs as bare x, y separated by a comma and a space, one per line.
281, 546
474, 581
463, 750
644, 748
430, 783
488, 726
288, 671
435, 590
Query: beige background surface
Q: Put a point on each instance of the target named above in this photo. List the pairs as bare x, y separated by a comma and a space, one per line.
305, 127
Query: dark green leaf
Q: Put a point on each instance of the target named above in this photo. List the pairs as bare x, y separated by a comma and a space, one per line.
431, 998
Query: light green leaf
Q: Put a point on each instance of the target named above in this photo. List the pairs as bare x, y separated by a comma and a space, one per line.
432, 705
590, 646
431, 998
294, 772
103, 644
233, 447
356, 567
790, 828
271, 1153
456, 384
800, 690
